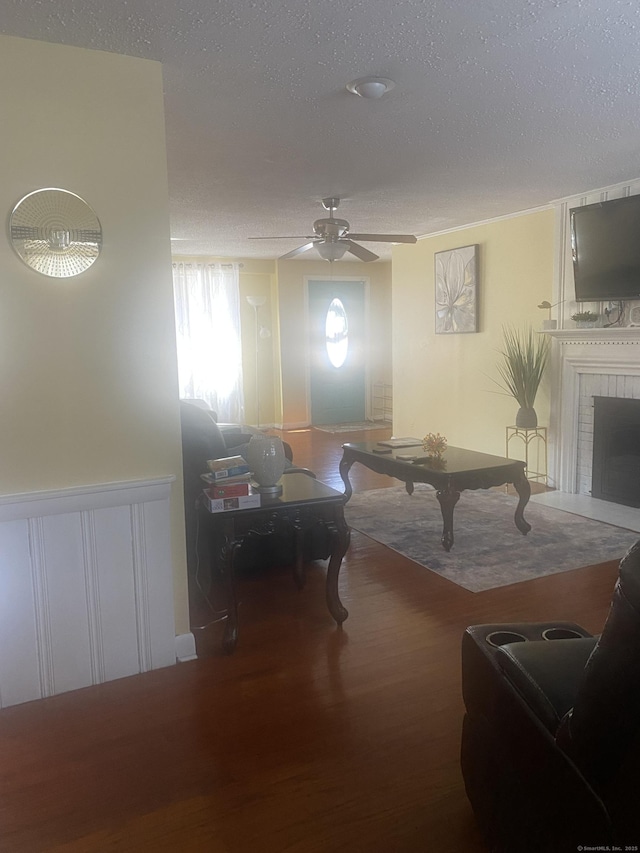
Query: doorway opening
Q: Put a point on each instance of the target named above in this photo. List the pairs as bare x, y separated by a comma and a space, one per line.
337, 364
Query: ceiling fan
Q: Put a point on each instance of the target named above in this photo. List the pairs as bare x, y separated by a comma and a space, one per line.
332, 238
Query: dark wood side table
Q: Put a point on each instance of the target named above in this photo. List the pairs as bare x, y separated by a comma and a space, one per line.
305, 503
456, 470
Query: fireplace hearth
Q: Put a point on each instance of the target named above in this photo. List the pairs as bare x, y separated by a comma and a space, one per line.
616, 450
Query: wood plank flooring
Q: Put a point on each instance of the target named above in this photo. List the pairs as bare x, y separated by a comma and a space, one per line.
309, 739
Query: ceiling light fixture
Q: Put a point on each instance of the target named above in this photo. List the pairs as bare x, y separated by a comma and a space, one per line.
371, 87
331, 251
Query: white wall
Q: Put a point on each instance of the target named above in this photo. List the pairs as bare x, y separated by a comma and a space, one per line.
87, 364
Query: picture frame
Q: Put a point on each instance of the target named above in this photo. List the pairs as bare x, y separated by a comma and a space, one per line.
456, 290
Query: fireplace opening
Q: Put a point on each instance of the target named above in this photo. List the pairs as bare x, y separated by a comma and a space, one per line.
616, 450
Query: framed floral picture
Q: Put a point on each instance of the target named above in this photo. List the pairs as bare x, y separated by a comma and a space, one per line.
456, 280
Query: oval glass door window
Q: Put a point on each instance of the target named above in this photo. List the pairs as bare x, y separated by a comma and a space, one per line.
337, 333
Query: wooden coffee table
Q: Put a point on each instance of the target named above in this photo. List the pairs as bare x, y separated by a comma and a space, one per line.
455, 471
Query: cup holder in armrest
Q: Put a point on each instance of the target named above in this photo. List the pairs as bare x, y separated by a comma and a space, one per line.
561, 634
501, 638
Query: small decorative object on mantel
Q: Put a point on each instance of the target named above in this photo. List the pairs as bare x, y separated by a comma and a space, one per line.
585, 319
434, 444
549, 324
524, 358
266, 458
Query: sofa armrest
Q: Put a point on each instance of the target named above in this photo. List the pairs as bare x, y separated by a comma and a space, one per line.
293, 469
235, 439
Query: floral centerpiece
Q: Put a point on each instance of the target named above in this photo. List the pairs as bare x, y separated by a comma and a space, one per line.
434, 444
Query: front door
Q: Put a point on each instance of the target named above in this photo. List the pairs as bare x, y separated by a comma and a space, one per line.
337, 374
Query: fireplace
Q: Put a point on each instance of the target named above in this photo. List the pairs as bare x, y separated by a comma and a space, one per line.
616, 450
586, 364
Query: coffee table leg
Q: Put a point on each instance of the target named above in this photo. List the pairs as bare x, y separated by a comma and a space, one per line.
340, 536
345, 466
523, 488
448, 499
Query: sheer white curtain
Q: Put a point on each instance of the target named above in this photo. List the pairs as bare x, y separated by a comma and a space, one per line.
207, 301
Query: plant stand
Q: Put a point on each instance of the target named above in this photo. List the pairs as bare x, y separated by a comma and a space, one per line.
527, 436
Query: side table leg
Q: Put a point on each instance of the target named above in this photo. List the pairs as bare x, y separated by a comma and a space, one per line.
523, 488
230, 636
345, 466
340, 537
299, 573
448, 498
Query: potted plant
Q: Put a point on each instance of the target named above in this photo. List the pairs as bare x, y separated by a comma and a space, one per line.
585, 319
523, 360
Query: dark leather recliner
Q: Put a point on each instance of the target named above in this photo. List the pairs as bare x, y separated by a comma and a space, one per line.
551, 735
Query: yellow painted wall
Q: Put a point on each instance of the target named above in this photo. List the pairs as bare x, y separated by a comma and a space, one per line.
442, 383
87, 364
258, 278
294, 332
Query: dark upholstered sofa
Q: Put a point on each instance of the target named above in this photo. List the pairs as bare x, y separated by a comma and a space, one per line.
551, 736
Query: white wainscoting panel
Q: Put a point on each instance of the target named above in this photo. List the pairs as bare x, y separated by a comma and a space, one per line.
86, 587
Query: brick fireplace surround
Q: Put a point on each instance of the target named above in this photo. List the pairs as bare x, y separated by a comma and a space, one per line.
584, 364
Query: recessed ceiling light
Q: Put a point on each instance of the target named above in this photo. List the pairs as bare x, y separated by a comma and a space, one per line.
370, 87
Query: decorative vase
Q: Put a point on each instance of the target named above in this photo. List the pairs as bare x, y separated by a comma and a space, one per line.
265, 456
526, 418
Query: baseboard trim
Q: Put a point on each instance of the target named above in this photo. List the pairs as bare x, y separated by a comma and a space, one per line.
185, 647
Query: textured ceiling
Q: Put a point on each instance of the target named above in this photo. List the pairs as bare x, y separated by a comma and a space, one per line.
499, 106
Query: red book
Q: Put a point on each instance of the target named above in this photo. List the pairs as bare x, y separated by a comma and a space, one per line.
228, 490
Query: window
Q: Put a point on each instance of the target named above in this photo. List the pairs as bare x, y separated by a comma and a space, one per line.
207, 304
337, 333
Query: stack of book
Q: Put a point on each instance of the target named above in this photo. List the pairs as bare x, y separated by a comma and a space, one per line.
229, 482
228, 467
230, 496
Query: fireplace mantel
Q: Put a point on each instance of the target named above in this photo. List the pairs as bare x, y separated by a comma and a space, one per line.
628, 334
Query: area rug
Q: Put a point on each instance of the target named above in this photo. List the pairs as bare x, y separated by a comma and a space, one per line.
488, 551
355, 427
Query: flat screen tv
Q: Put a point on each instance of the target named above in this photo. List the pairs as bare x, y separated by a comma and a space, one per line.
605, 243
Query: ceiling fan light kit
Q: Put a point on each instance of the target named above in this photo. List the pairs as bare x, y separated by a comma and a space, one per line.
371, 88
332, 250
332, 238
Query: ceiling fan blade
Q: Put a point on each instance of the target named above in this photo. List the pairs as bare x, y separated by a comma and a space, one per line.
385, 238
290, 237
297, 251
360, 252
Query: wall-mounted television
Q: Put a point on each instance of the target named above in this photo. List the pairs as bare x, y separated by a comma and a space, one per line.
605, 243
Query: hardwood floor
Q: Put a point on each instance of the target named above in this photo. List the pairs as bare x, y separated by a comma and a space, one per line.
308, 739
